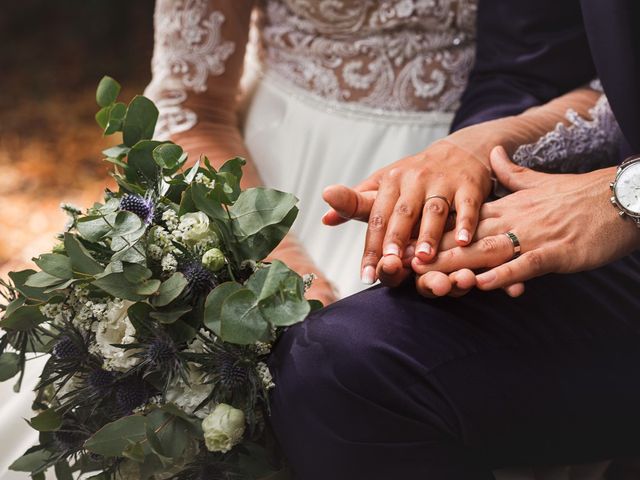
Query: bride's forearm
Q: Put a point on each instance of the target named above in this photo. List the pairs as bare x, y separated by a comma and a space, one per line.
527, 127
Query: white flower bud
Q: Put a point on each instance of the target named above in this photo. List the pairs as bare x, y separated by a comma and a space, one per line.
213, 259
223, 428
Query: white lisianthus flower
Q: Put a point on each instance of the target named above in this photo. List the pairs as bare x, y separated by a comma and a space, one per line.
116, 328
188, 397
223, 428
195, 227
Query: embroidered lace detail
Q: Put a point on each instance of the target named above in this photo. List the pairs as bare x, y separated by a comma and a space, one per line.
582, 146
408, 55
188, 48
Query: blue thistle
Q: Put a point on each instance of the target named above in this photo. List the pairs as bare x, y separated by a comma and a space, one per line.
67, 349
200, 280
131, 393
160, 350
139, 205
231, 372
100, 379
68, 438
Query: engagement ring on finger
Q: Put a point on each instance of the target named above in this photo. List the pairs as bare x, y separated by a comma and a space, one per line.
441, 197
516, 244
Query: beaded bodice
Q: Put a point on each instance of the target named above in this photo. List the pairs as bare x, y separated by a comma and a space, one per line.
392, 55
406, 55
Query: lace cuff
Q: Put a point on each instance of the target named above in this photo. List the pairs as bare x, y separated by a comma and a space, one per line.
189, 48
581, 146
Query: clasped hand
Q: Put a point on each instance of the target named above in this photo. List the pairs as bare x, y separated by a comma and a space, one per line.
564, 223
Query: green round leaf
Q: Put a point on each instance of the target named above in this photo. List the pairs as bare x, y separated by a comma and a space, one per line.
9, 365
47, 421
107, 92
140, 121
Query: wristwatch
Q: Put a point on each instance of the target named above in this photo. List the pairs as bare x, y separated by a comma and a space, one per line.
626, 189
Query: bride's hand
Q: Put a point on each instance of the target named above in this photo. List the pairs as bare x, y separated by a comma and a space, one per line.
564, 223
417, 189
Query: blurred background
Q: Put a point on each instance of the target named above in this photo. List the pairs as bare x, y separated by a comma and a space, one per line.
52, 55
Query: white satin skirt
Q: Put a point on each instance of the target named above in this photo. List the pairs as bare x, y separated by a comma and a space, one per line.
302, 143
15, 409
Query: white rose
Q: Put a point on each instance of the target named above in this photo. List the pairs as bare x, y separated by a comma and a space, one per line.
195, 227
223, 428
116, 328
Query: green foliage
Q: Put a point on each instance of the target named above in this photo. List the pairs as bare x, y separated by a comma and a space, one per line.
140, 121
107, 92
9, 365
32, 462
47, 421
183, 288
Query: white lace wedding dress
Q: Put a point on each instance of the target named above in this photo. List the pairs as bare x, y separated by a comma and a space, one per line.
342, 88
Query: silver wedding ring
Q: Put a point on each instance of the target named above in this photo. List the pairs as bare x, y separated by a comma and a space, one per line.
441, 197
516, 244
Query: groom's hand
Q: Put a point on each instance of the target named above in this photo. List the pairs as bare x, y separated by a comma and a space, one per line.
416, 193
564, 223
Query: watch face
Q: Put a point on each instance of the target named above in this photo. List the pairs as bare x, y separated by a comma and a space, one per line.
627, 188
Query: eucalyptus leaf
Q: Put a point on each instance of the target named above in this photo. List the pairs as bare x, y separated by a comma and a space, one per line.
257, 208
107, 92
171, 315
32, 462
47, 421
114, 438
135, 452
117, 151
167, 155
9, 365
116, 284
148, 287
142, 166
259, 245
214, 302
42, 280
19, 280
126, 223
140, 121
94, 228
81, 259
201, 196
63, 471
102, 117
55, 264
171, 433
115, 120
23, 318
241, 320
170, 290
136, 273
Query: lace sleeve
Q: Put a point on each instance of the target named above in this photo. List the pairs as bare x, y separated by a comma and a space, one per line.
582, 145
197, 61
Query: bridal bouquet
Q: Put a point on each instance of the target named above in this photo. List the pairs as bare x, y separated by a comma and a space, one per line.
157, 312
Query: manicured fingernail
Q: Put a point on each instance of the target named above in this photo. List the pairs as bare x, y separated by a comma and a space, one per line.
391, 249
463, 235
368, 275
409, 251
424, 248
486, 277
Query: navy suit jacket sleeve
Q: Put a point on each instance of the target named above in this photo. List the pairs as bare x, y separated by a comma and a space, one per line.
613, 29
528, 52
